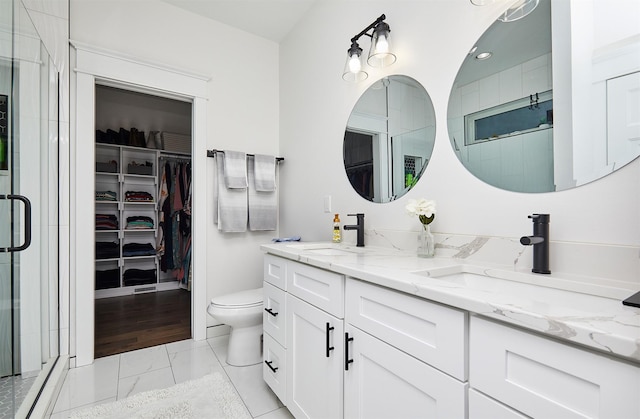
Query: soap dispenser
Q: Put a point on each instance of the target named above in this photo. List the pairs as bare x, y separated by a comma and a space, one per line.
337, 234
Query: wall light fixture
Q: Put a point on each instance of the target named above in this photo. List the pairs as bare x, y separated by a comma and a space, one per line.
380, 53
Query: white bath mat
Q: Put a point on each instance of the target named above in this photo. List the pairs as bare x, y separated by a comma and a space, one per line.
211, 396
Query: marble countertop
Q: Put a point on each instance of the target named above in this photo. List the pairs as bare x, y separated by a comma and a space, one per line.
557, 305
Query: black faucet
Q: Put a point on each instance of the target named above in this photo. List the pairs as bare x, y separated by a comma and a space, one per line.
540, 243
359, 227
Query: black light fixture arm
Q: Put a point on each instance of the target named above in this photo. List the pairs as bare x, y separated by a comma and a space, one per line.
373, 25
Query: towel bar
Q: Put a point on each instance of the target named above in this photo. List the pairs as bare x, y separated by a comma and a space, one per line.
212, 153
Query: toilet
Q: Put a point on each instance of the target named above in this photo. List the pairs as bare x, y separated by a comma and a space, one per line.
242, 311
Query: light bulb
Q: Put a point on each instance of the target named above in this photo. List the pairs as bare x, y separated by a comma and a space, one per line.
382, 45
354, 63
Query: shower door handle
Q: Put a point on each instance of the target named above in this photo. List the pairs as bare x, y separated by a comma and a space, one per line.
27, 223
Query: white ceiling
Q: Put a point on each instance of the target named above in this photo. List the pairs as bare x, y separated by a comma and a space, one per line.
270, 19
511, 44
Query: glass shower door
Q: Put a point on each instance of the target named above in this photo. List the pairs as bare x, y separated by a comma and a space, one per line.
29, 338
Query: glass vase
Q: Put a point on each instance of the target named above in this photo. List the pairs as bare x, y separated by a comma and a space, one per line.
426, 243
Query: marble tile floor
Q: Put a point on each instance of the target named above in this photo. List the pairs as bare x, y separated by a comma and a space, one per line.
118, 376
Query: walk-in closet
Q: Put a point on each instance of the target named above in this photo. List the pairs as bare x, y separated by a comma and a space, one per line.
143, 206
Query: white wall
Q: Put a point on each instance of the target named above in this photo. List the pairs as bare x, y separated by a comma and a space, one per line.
298, 108
431, 39
243, 109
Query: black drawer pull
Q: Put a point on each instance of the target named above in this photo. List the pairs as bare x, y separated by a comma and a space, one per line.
268, 310
328, 347
347, 361
274, 369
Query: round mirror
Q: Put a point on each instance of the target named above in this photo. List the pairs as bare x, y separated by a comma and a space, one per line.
532, 112
389, 138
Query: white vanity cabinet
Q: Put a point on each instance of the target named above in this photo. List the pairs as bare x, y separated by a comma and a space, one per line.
352, 348
315, 356
406, 358
303, 337
315, 349
543, 378
274, 368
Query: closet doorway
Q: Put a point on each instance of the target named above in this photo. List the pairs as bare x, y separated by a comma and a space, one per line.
143, 263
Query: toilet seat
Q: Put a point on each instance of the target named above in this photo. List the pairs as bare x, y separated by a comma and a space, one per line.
242, 299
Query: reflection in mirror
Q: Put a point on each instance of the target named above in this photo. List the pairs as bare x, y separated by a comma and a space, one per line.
389, 138
545, 113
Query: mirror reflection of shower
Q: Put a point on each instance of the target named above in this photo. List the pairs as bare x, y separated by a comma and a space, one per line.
389, 138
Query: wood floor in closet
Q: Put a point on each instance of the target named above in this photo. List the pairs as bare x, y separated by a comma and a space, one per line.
139, 321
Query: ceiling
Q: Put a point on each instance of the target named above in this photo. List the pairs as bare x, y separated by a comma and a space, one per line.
511, 44
270, 19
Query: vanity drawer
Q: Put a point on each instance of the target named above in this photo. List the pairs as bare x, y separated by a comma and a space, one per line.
483, 407
275, 271
430, 332
274, 318
274, 367
323, 289
543, 378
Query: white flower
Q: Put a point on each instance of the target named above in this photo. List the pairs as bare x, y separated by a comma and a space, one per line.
423, 208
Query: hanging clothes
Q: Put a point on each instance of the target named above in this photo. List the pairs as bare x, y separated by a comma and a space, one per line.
174, 214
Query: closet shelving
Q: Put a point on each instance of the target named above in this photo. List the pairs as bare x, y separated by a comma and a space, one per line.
131, 267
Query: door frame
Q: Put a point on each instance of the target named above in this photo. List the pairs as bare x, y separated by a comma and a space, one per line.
98, 66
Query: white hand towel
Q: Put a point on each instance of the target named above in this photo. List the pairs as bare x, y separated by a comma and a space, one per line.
265, 173
235, 169
263, 206
230, 205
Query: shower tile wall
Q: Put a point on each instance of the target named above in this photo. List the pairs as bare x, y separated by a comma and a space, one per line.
515, 83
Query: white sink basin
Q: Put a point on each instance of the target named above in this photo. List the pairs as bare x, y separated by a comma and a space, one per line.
540, 289
312, 246
330, 252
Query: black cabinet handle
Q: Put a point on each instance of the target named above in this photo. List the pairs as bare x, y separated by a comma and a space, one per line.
347, 361
274, 369
328, 348
27, 223
268, 310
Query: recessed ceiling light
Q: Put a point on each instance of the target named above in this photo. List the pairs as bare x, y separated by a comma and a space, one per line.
473, 50
483, 56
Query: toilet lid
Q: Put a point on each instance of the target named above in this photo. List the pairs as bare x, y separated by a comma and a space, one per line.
246, 298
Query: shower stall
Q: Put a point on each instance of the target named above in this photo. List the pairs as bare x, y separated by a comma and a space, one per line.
29, 212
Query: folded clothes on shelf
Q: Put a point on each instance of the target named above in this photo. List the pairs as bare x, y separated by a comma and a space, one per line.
109, 278
138, 277
106, 196
138, 196
139, 222
106, 222
138, 249
107, 250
